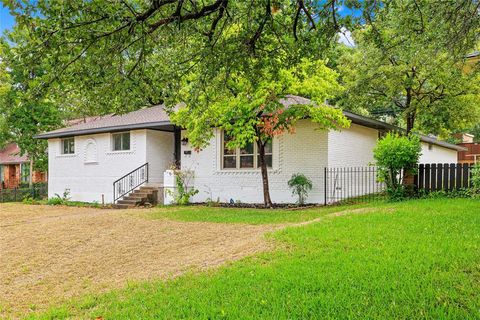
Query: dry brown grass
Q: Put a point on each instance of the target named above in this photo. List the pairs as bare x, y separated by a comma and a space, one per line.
50, 254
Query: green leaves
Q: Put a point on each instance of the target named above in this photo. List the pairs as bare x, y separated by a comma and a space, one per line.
393, 154
300, 186
396, 152
408, 66
248, 104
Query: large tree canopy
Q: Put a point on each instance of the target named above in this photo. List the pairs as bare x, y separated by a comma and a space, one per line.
125, 54
22, 116
408, 64
100, 56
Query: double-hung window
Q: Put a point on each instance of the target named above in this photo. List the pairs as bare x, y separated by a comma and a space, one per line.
121, 141
68, 146
244, 158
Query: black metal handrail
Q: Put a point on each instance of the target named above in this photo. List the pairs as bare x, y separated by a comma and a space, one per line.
130, 182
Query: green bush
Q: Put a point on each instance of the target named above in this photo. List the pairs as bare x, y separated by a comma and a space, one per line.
393, 154
475, 179
446, 194
56, 201
300, 186
30, 200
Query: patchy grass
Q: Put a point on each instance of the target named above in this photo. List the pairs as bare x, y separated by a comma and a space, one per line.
245, 215
418, 259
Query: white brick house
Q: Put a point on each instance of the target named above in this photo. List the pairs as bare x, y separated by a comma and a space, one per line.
87, 158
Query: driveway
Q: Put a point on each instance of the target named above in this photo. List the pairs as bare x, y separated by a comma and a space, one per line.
49, 254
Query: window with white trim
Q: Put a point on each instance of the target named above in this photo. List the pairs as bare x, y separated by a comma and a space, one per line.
68, 146
121, 141
244, 158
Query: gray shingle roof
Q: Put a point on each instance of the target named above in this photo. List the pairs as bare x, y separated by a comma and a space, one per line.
140, 119
156, 117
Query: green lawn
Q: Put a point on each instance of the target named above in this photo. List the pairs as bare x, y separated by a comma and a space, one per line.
417, 259
241, 215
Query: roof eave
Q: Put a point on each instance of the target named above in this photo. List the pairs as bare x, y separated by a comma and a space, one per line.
355, 118
376, 124
82, 132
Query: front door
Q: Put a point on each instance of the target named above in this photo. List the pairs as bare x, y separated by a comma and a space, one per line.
11, 176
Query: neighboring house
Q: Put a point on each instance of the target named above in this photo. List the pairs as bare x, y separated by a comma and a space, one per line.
15, 169
472, 149
87, 158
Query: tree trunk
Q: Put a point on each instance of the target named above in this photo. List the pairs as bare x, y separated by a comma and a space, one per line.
408, 177
410, 122
263, 167
410, 113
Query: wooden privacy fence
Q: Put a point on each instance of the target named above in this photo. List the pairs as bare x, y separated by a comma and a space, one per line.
443, 176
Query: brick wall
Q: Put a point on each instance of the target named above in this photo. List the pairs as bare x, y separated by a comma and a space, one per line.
12, 176
303, 152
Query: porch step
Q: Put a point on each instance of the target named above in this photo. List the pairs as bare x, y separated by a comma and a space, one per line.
137, 198
148, 189
139, 194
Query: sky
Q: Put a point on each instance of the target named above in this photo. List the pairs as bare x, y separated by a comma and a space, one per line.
6, 20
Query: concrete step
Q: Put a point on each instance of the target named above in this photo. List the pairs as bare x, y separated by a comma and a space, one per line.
147, 189
135, 197
138, 193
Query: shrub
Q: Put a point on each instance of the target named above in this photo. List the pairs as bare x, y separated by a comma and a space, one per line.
30, 200
183, 191
300, 186
60, 200
447, 194
475, 179
56, 201
393, 154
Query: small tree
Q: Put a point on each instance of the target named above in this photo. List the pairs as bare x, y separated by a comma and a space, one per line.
393, 154
256, 106
300, 186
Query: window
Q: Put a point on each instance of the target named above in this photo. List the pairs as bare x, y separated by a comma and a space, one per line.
244, 158
68, 146
25, 172
2, 177
430, 146
121, 141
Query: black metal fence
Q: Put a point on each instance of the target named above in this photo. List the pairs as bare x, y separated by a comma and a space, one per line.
353, 184
19, 194
362, 184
